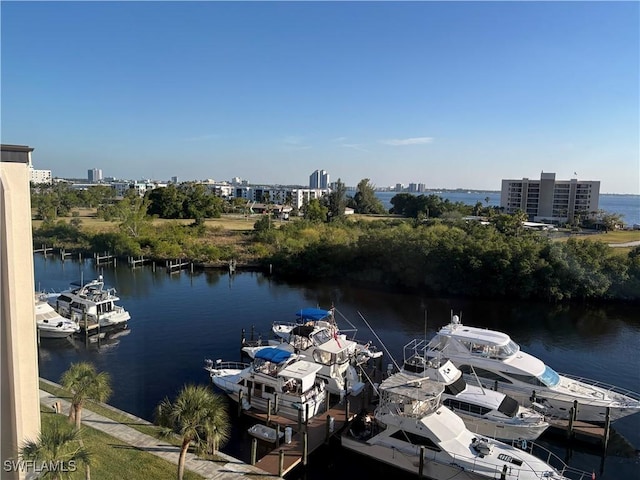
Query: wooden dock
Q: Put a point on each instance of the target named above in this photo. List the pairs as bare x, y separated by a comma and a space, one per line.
580, 431
284, 457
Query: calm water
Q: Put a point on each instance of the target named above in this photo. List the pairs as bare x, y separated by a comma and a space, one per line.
179, 320
628, 206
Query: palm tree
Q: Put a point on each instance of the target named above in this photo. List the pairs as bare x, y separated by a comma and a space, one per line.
84, 382
57, 452
199, 416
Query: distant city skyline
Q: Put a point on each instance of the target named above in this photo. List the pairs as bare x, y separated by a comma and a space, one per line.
445, 94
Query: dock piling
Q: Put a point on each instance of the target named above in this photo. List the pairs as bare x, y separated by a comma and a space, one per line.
305, 447
607, 426
281, 463
254, 450
421, 464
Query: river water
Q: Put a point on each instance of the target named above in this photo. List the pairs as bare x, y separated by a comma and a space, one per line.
178, 320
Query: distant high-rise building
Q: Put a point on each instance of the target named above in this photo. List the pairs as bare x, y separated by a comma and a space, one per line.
174, 180
94, 175
319, 179
399, 187
549, 199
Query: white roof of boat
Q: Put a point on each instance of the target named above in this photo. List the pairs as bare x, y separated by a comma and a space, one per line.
335, 346
408, 385
478, 335
300, 369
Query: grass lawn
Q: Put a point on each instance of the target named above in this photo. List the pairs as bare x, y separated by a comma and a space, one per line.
93, 224
112, 459
146, 428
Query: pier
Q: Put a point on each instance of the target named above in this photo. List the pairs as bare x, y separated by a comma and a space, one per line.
105, 258
579, 431
306, 437
178, 265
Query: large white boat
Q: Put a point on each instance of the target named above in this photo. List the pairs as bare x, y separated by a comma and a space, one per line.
50, 323
276, 378
91, 304
411, 428
484, 411
496, 361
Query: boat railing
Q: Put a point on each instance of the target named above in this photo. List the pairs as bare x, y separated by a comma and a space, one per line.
551, 458
604, 386
210, 365
476, 463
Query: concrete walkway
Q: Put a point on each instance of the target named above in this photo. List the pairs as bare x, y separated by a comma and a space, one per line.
627, 244
226, 469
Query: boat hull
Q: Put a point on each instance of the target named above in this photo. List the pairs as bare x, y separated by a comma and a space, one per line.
408, 461
55, 333
559, 405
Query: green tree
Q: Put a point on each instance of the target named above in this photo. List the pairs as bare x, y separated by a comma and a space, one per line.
166, 202
199, 416
200, 204
84, 382
131, 212
336, 201
365, 199
58, 445
315, 211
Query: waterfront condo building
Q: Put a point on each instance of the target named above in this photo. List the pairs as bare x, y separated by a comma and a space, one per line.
550, 200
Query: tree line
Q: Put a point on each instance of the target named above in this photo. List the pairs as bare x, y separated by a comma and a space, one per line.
428, 247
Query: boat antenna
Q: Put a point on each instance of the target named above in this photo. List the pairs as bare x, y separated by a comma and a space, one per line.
378, 338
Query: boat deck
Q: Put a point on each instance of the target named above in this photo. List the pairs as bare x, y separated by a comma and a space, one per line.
317, 431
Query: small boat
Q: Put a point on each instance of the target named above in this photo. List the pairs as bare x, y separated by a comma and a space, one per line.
411, 428
276, 379
495, 360
484, 411
50, 323
90, 304
262, 432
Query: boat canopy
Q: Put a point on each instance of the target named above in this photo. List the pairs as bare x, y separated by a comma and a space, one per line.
302, 330
272, 354
312, 314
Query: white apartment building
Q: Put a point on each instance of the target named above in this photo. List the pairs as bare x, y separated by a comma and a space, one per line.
39, 176
550, 200
94, 175
319, 180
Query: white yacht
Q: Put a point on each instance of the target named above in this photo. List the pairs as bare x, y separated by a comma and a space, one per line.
276, 378
91, 303
411, 427
496, 361
484, 411
49, 322
316, 326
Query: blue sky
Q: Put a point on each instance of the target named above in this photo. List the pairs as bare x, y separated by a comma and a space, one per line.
449, 94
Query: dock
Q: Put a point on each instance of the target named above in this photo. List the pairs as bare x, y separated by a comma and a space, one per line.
579, 431
284, 457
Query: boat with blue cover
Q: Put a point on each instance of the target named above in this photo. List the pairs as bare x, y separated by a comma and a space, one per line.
315, 335
276, 379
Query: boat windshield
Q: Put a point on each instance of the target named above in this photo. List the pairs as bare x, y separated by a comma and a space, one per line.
322, 336
549, 377
492, 351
